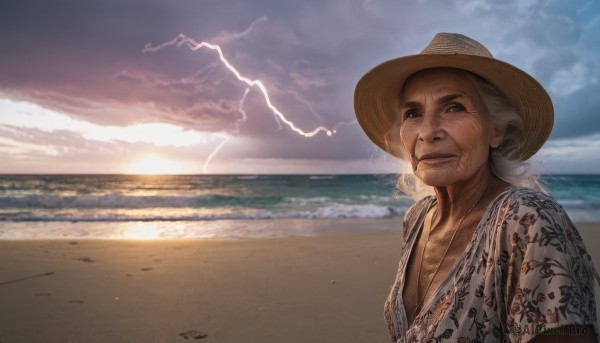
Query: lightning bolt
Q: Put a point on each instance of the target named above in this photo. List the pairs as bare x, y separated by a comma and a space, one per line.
238, 124
204, 73
182, 39
304, 102
348, 123
227, 37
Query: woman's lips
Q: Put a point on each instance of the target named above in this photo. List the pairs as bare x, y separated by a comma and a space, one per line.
436, 158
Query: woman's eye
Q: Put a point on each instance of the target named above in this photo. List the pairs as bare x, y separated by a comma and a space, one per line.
411, 114
455, 108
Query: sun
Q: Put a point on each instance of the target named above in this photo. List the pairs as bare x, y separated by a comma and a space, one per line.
154, 164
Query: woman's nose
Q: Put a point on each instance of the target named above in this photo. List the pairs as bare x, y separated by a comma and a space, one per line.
431, 128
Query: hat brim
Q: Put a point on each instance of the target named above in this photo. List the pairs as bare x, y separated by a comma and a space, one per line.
377, 96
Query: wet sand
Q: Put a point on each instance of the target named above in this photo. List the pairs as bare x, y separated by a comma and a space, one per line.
300, 289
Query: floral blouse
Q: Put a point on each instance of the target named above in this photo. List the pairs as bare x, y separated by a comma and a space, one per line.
524, 272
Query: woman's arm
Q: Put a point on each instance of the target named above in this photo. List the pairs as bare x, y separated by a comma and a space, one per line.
547, 274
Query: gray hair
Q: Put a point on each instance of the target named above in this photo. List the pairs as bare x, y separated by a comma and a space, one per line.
503, 160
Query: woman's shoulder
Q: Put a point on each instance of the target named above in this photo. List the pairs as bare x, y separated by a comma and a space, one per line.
415, 213
528, 215
526, 194
520, 201
420, 207
521, 213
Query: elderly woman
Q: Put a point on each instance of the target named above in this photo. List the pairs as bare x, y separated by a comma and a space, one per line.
484, 258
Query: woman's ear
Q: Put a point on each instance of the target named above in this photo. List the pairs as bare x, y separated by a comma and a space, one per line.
497, 137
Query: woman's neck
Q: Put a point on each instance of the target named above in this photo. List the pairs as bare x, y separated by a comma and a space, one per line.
455, 200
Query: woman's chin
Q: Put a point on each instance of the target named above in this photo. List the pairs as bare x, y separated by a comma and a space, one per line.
435, 178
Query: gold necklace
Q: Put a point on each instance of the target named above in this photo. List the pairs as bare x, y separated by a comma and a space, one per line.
420, 302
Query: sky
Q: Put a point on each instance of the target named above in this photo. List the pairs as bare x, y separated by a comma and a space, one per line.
100, 87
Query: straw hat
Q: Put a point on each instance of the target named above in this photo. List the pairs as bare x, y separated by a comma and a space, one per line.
377, 94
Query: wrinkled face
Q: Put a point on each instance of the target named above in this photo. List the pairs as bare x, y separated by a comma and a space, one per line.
444, 127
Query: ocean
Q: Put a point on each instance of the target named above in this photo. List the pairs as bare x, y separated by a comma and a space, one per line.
205, 206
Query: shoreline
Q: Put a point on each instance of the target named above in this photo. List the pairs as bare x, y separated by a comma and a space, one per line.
216, 229
212, 230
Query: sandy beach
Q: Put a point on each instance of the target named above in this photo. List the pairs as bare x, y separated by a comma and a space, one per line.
299, 289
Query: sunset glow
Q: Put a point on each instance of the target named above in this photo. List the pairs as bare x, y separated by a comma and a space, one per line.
20, 114
153, 164
142, 231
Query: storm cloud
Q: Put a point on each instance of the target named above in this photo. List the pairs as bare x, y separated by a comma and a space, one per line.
85, 59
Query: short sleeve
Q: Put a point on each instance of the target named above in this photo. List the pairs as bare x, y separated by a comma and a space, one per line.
547, 275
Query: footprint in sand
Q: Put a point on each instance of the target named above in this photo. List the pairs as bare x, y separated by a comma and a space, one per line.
146, 269
86, 259
193, 334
